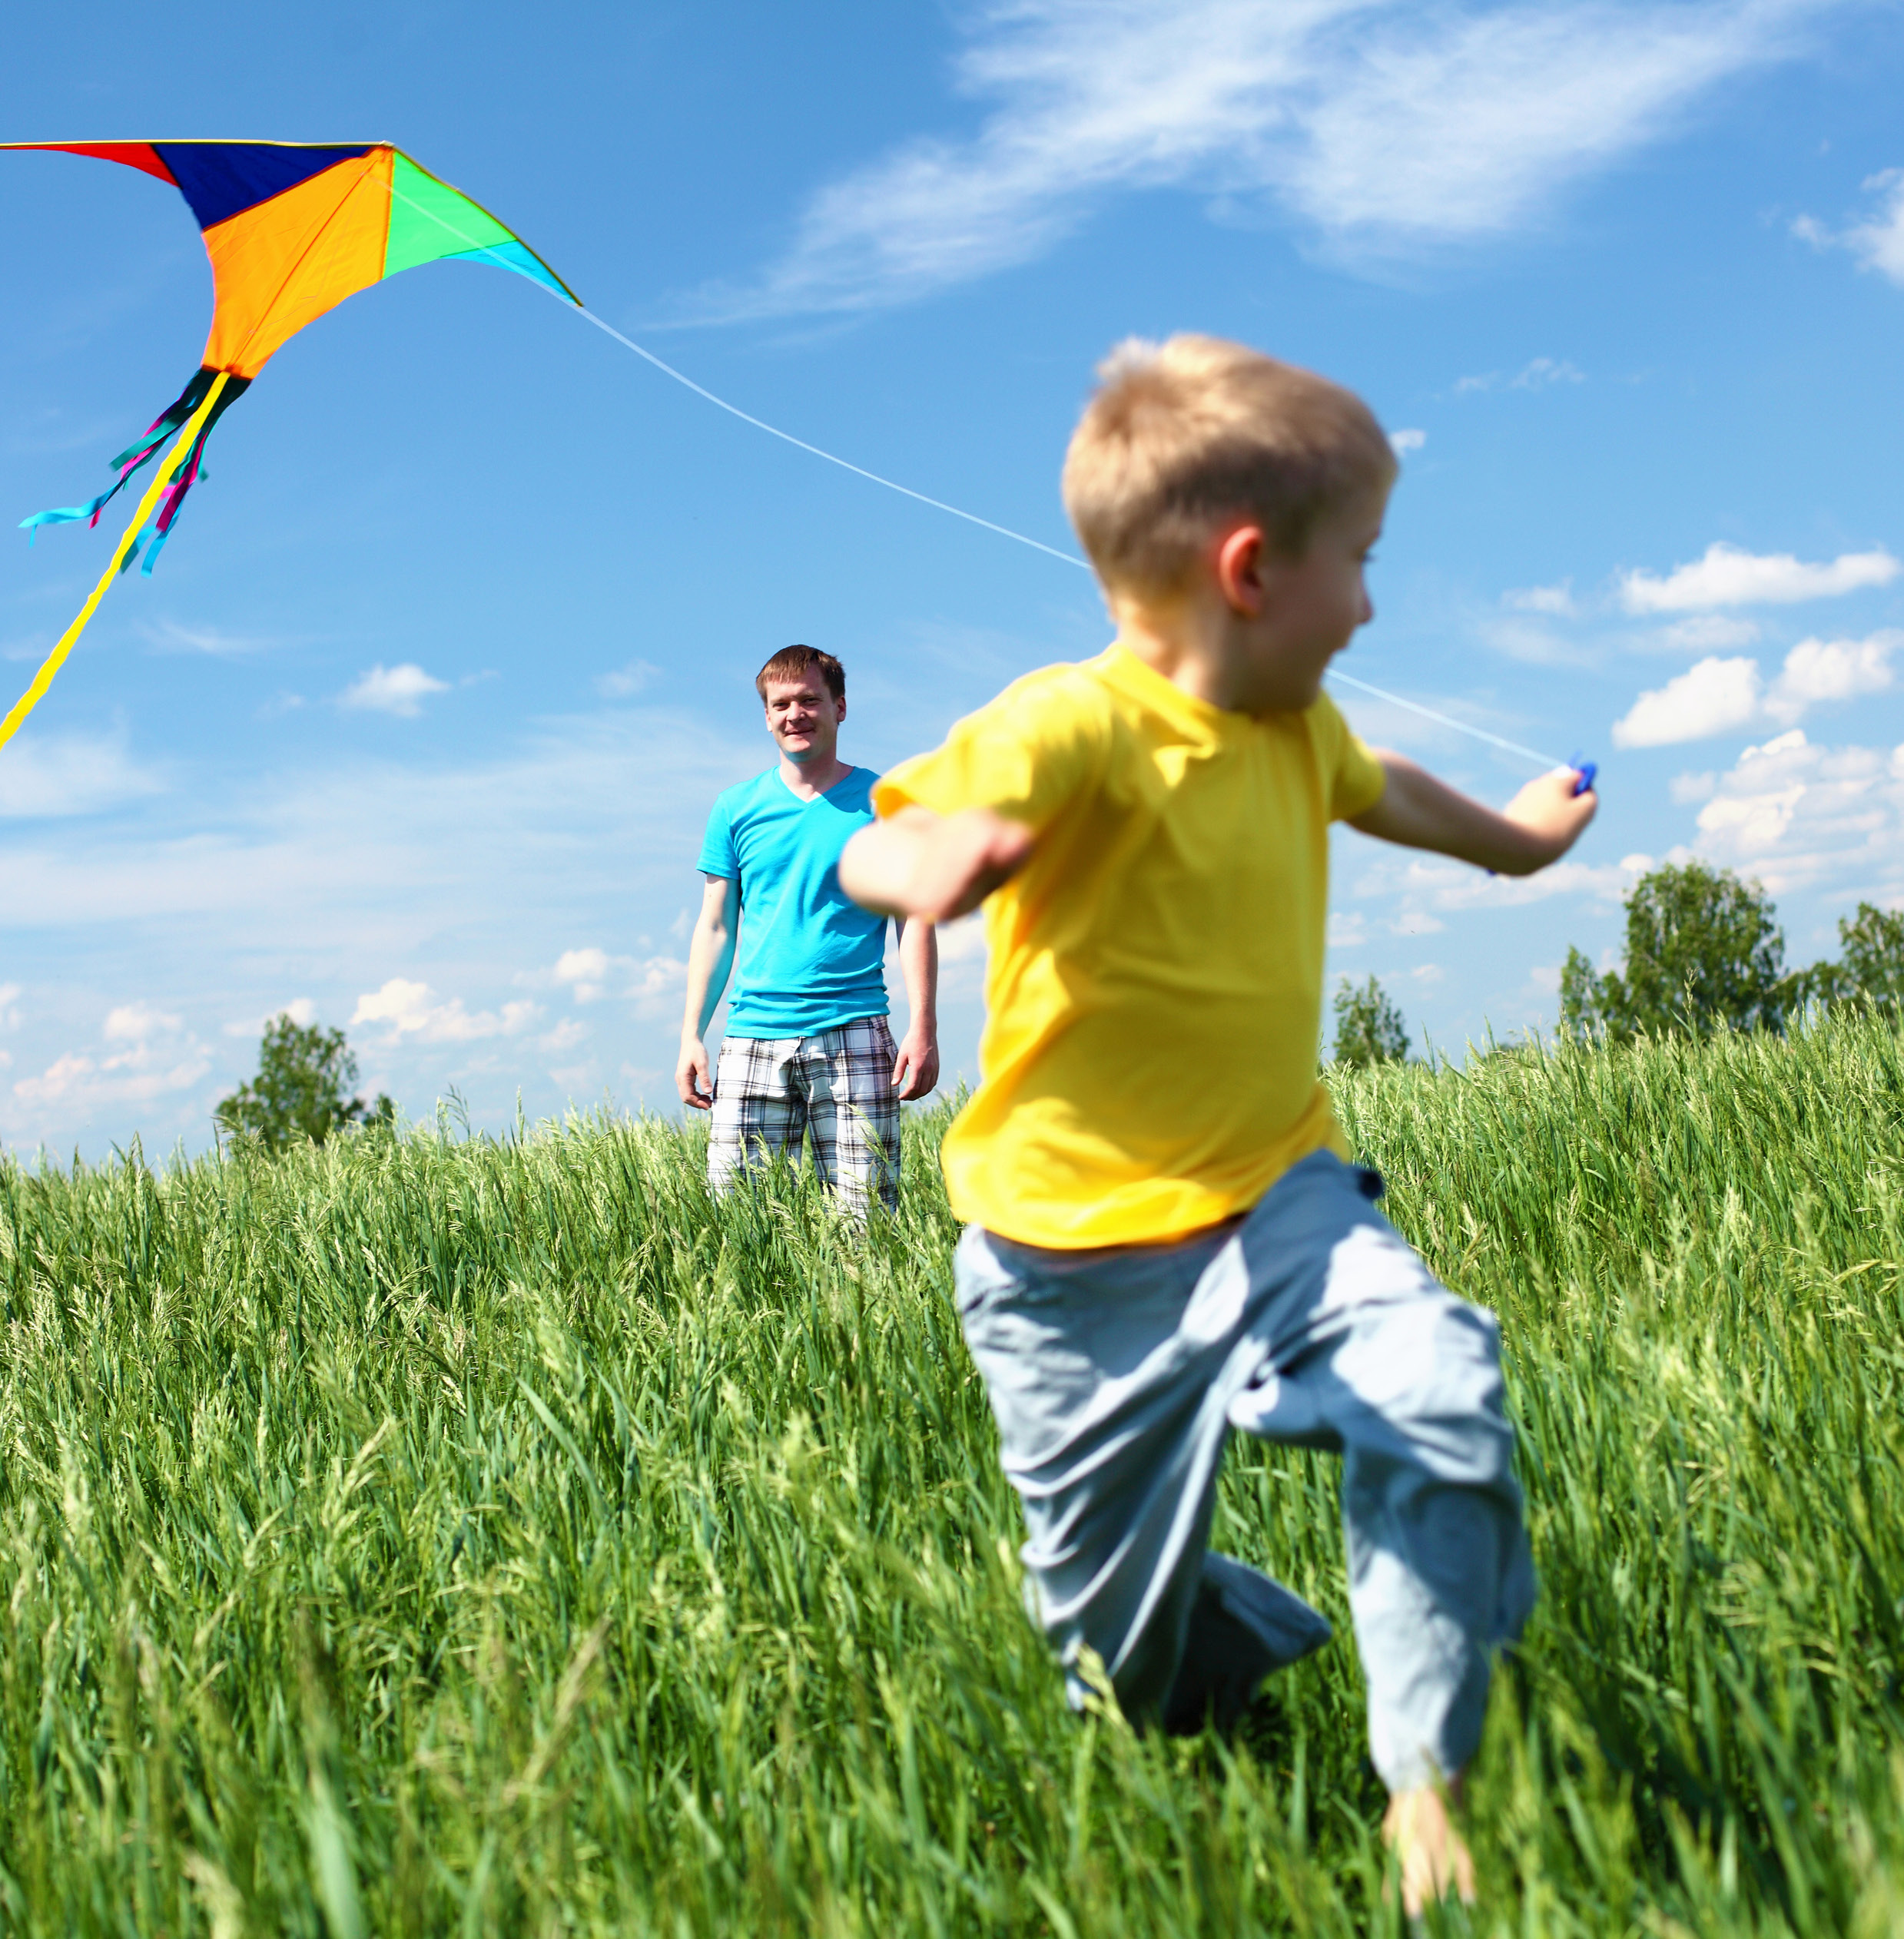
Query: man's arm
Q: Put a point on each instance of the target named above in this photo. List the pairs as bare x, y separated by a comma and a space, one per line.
1537, 826
710, 957
917, 1069
917, 864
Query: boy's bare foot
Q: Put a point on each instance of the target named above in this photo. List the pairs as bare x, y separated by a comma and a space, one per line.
1417, 1829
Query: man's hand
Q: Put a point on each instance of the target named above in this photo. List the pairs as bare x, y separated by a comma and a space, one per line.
931, 867
917, 1068
693, 1078
1539, 825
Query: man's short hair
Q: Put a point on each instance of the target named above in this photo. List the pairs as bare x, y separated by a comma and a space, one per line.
793, 662
1183, 435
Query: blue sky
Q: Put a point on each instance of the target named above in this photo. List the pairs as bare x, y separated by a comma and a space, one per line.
416, 726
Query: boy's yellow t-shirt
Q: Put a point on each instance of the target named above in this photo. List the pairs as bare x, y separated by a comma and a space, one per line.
1154, 996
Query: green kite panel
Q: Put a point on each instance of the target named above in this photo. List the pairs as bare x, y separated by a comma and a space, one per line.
429, 219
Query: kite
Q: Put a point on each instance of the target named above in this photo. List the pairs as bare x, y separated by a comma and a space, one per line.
292, 228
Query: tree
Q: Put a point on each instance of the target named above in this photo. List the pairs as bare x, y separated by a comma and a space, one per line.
304, 1088
1703, 950
1871, 974
1369, 1027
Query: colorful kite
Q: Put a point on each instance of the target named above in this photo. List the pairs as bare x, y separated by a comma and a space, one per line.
292, 228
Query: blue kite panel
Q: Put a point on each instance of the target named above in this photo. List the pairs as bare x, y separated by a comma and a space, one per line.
513, 256
224, 178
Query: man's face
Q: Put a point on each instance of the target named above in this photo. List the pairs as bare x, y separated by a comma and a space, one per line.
804, 718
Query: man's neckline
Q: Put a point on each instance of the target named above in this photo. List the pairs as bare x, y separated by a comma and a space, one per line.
808, 800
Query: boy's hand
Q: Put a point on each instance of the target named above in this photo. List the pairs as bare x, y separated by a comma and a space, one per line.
1549, 810
1540, 824
931, 868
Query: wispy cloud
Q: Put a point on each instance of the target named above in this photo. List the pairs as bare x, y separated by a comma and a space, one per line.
401, 690
1555, 600
1705, 631
1378, 126
1728, 575
170, 636
625, 681
1542, 374
70, 774
1404, 442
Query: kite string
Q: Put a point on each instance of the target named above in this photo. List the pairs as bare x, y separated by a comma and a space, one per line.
1448, 721
64, 645
938, 505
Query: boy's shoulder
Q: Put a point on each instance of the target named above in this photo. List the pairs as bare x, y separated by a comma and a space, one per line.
1071, 693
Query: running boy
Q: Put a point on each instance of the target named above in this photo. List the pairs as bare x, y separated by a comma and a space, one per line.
1165, 1240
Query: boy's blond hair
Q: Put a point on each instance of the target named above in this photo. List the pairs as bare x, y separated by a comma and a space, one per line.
1183, 435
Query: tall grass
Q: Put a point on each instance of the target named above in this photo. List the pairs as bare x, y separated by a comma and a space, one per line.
427, 1535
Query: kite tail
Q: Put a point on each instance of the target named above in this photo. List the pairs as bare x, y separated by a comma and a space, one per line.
143, 449
190, 442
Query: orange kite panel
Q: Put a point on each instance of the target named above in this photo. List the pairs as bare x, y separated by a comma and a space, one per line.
282, 263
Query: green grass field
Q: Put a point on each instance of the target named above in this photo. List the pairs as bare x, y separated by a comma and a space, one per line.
434, 1536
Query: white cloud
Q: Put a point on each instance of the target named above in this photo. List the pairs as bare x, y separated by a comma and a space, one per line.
625, 681
1423, 884
1816, 670
565, 1037
1377, 124
1686, 789
1402, 442
1792, 813
301, 1009
393, 689
658, 983
1556, 600
584, 970
69, 774
1877, 239
133, 1022
1716, 696
411, 1010
1707, 632
1712, 697
143, 1059
9, 1013
1728, 575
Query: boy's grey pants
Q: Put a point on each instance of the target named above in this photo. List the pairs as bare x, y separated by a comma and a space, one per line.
1115, 1376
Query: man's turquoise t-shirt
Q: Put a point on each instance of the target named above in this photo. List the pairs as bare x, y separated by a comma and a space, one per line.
809, 958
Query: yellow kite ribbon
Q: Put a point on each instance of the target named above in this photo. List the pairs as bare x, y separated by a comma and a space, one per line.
64, 645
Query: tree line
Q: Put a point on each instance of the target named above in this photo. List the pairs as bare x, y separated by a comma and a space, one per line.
1704, 952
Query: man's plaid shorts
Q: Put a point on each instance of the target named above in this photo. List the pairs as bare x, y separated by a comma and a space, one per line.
837, 1084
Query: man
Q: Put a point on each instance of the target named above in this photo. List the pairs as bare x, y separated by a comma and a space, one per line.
806, 1047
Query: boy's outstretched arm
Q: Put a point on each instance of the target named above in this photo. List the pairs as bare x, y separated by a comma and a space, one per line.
1537, 826
930, 867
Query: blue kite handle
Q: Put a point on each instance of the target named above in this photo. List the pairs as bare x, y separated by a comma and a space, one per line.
1583, 773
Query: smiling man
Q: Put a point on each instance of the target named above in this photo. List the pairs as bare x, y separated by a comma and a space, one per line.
807, 1049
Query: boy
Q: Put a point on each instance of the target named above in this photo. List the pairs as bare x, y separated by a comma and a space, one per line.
1164, 1240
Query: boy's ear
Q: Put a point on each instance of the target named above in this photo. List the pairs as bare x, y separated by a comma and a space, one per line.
1240, 556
